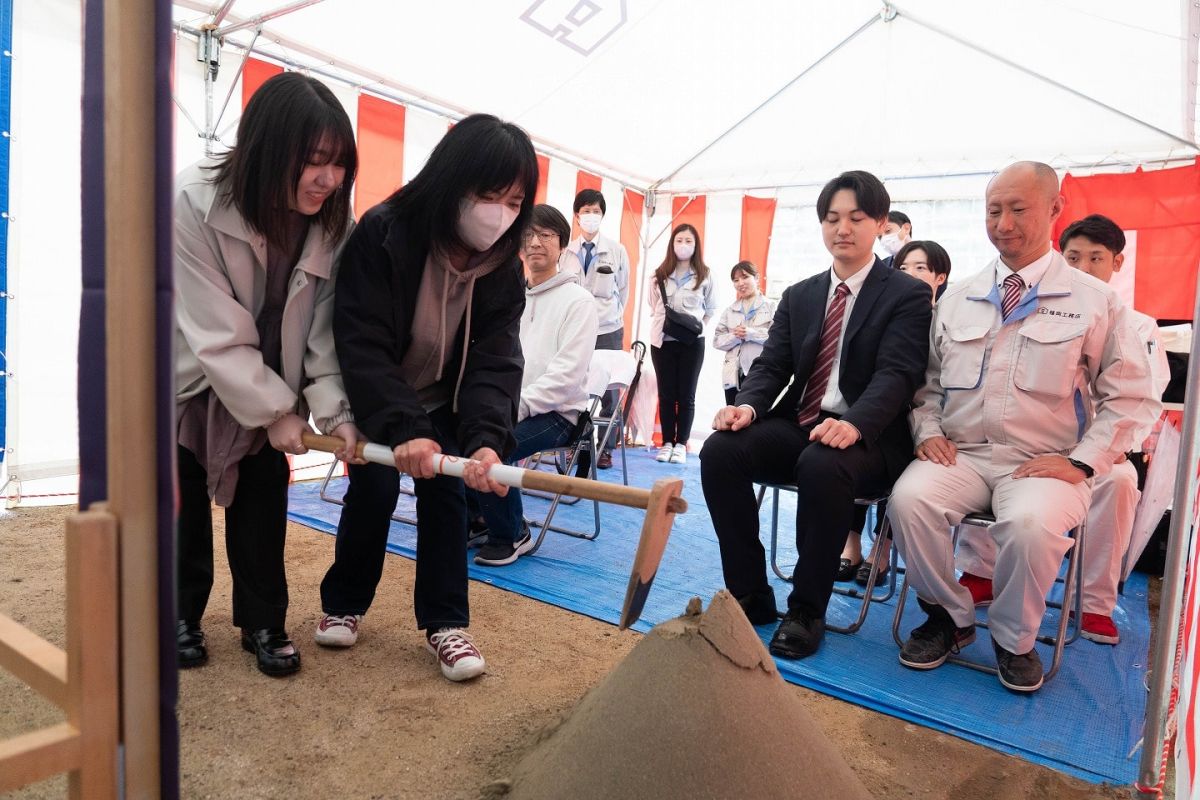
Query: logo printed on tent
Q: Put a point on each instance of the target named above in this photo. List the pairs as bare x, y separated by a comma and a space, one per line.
581, 25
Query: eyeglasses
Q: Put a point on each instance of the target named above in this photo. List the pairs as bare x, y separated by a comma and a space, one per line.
545, 237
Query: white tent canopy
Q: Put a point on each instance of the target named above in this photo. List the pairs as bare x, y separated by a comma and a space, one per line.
928, 87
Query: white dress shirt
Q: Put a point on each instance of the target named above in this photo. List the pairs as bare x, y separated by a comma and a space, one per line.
1031, 274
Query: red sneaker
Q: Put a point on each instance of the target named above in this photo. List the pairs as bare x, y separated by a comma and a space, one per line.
980, 589
1100, 628
457, 654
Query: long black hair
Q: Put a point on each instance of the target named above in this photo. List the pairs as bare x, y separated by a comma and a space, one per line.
286, 121
479, 155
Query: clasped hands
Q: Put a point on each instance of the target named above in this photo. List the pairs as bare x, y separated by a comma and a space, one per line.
286, 435
835, 433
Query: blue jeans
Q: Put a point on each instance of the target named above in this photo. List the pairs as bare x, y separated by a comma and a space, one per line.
504, 515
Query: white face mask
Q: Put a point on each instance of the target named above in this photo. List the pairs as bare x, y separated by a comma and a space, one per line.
684, 251
891, 242
590, 222
480, 225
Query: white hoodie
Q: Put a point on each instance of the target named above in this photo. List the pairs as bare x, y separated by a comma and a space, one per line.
558, 337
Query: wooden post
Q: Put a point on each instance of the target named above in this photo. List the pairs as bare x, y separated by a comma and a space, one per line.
92, 629
129, 190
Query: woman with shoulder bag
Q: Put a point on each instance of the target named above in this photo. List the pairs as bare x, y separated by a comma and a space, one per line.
681, 303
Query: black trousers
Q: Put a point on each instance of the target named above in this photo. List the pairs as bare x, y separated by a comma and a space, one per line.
677, 367
778, 451
440, 593
255, 528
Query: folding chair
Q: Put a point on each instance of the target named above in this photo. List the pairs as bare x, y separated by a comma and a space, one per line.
609, 369
621, 367
1071, 608
869, 595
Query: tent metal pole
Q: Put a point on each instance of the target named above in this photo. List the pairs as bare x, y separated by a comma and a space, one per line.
212, 134
225, 8
1174, 575
874, 18
1039, 76
266, 16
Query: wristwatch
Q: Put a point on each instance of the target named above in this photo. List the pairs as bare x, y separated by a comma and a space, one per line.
1084, 468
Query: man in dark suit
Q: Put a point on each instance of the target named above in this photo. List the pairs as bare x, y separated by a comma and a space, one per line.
853, 341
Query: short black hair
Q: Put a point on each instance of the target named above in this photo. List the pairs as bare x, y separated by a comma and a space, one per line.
287, 119
868, 190
935, 256
548, 217
1095, 228
900, 218
747, 267
586, 198
479, 155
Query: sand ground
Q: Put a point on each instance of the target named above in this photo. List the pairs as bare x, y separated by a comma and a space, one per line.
378, 721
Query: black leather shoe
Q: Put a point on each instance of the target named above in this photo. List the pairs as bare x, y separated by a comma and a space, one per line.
760, 608
189, 641
846, 570
798, 636
864, 573
276, 654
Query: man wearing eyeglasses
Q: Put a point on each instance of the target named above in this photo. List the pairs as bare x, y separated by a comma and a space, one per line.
558, 337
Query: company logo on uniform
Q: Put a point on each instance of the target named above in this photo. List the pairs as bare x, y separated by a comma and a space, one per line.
1064, 314
582, 25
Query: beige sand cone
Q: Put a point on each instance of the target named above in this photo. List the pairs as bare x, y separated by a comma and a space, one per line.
696, 710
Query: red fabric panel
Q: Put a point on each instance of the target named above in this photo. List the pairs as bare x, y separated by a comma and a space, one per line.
254, 75
543, 178
682, 211
1163, 206
758, 216
380, 151
583, 180
631, 238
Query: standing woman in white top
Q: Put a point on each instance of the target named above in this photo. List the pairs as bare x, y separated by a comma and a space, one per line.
743, 327
685, 280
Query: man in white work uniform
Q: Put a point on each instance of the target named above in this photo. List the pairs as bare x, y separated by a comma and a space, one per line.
1093, 244
602, 266
999, 425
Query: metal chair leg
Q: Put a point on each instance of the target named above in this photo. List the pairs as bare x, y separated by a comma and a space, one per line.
337, 501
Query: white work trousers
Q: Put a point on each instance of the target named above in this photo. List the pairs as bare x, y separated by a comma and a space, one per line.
1109, 526
1032, 518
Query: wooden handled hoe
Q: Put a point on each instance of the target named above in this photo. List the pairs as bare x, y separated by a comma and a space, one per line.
661, 502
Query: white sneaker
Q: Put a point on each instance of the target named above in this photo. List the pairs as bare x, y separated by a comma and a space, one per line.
338, 630
679, 454
664, 453
456, 653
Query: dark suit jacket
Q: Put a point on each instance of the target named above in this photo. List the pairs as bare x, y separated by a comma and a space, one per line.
882, 364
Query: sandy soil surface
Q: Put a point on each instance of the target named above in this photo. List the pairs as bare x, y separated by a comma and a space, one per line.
379, 721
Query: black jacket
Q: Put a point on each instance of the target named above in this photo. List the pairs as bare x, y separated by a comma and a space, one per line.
377, 285
883, 359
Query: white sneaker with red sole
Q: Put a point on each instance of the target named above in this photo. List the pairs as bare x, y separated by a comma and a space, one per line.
456, 653
338, 630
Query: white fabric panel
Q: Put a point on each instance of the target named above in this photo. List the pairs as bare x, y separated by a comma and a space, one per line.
1133, 62
348, 97
422, 132
614, 198
44, 239
1123, 281
560, 187
722, 242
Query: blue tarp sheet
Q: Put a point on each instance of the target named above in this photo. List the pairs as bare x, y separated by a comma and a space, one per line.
1085, 722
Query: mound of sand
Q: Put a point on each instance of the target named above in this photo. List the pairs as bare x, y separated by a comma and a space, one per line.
696, 710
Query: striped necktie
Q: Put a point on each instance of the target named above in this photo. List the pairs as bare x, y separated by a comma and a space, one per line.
1013, 286
818, 380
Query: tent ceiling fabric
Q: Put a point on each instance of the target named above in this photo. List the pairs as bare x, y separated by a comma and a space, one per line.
645, 85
